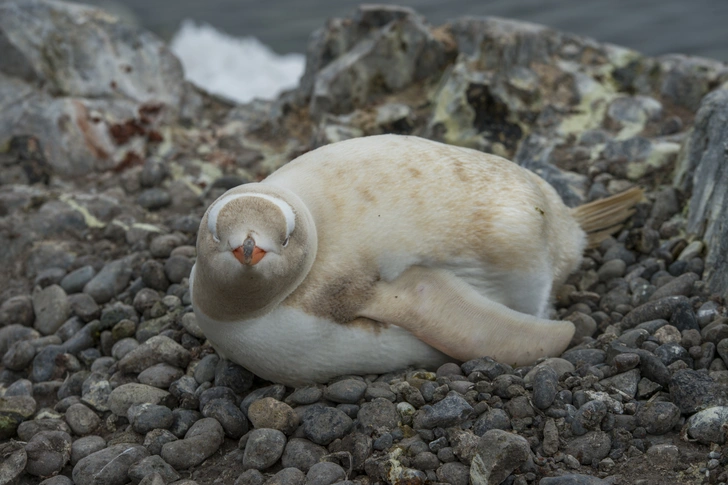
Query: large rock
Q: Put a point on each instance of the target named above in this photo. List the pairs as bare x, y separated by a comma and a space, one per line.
702, 169
103, 82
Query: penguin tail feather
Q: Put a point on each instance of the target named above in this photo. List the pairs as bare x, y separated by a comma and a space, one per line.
602, 218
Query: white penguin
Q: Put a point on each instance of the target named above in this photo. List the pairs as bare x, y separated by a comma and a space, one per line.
374, 254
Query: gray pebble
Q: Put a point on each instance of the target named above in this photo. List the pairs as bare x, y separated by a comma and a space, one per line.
498, 453
663, 456
658, 417
271, 413
178, 268
682, 285
454, 473
126, 395
250, 477
82, 447
545, 387
202, 440
228, 415
19, 355
154, 351
263, 448
305, 395
156, 438
378, 414
611, 269
152, 464
683, 317
14, 460
95, 391
109, 282
189, 322
325, 473
625, 382
14, 332
145, 300
452, 410
661, 309
184, 389
692, 391
425, 460
276, 392
162, 246
302, 454
17, 310
57, 480
379, 390
48, 452
28, 429
51, 309
81, 419
707, 426
160, 375
154, 199
70, 328
240, 380
49, 276
715, 331
123, 347
205, 368
348, 391
595, 445
287, 476
153, 275
146, 417
585, 356
84, 307
109, 466
324, 425
74, 281
156, 479
672, 352
21, 387
44, 363
492, 419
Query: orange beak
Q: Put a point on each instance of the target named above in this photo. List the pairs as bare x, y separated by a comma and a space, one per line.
249, 253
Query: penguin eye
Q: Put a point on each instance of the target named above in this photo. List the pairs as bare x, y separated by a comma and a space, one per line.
285, 241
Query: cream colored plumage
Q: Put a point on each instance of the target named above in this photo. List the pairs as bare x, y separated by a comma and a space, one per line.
386, 252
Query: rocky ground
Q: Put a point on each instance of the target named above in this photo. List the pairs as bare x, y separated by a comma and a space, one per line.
109, 160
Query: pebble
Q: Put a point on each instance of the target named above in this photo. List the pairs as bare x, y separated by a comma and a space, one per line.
84, 307
454, 473
202, 440
263, 448
545, 386
588, 417
155, 439
57, 480
160, 375
126, 395
498, 453
655, 309
707, 426
287, 476
178, 268
682, 285
48, 452
205, 368
153, 275
450, 411
109, 282
325, 473
573, 479
158, 349
74, 281
14, 332
585, 356
154, 199
228, 415
49, 276
347, 391
683, 317
611, 269
17, 310
658, 417
82, 447
492, 419
121, 348
669, 353
305, 395
378, 414
151, 465
19, 355
324, 425
594, 445
302, 454
14, 461
146, 417
626, 382
692, 391
81, 419
109, 466
240, 380
271, 413
51, 309
95, 392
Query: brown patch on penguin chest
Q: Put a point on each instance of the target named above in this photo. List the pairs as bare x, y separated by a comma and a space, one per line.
339, 298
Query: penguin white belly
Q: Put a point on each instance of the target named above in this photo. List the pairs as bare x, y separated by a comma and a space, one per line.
289, 346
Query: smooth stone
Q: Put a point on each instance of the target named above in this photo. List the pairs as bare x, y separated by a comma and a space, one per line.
126, 395
28, 429
156, 438
154, 199
492, 419
158, 349
325, 473
146, 417
84, 307
83, 447
263, 448
545, 386
81, 419
276, 392
655, 309
454, 473
228, 415
74, 281
287, 476
109, 282
707, 426
152, 465
177, 268
324, 425
378, 414
51, 309
183, 421
108, 466
347, 391
202, 440
573, 479
153, 276
48, 452
302, 454
682, 285
594, 445
305, 395
586, 356
19, 355
17, 310
13, 411
160, 375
